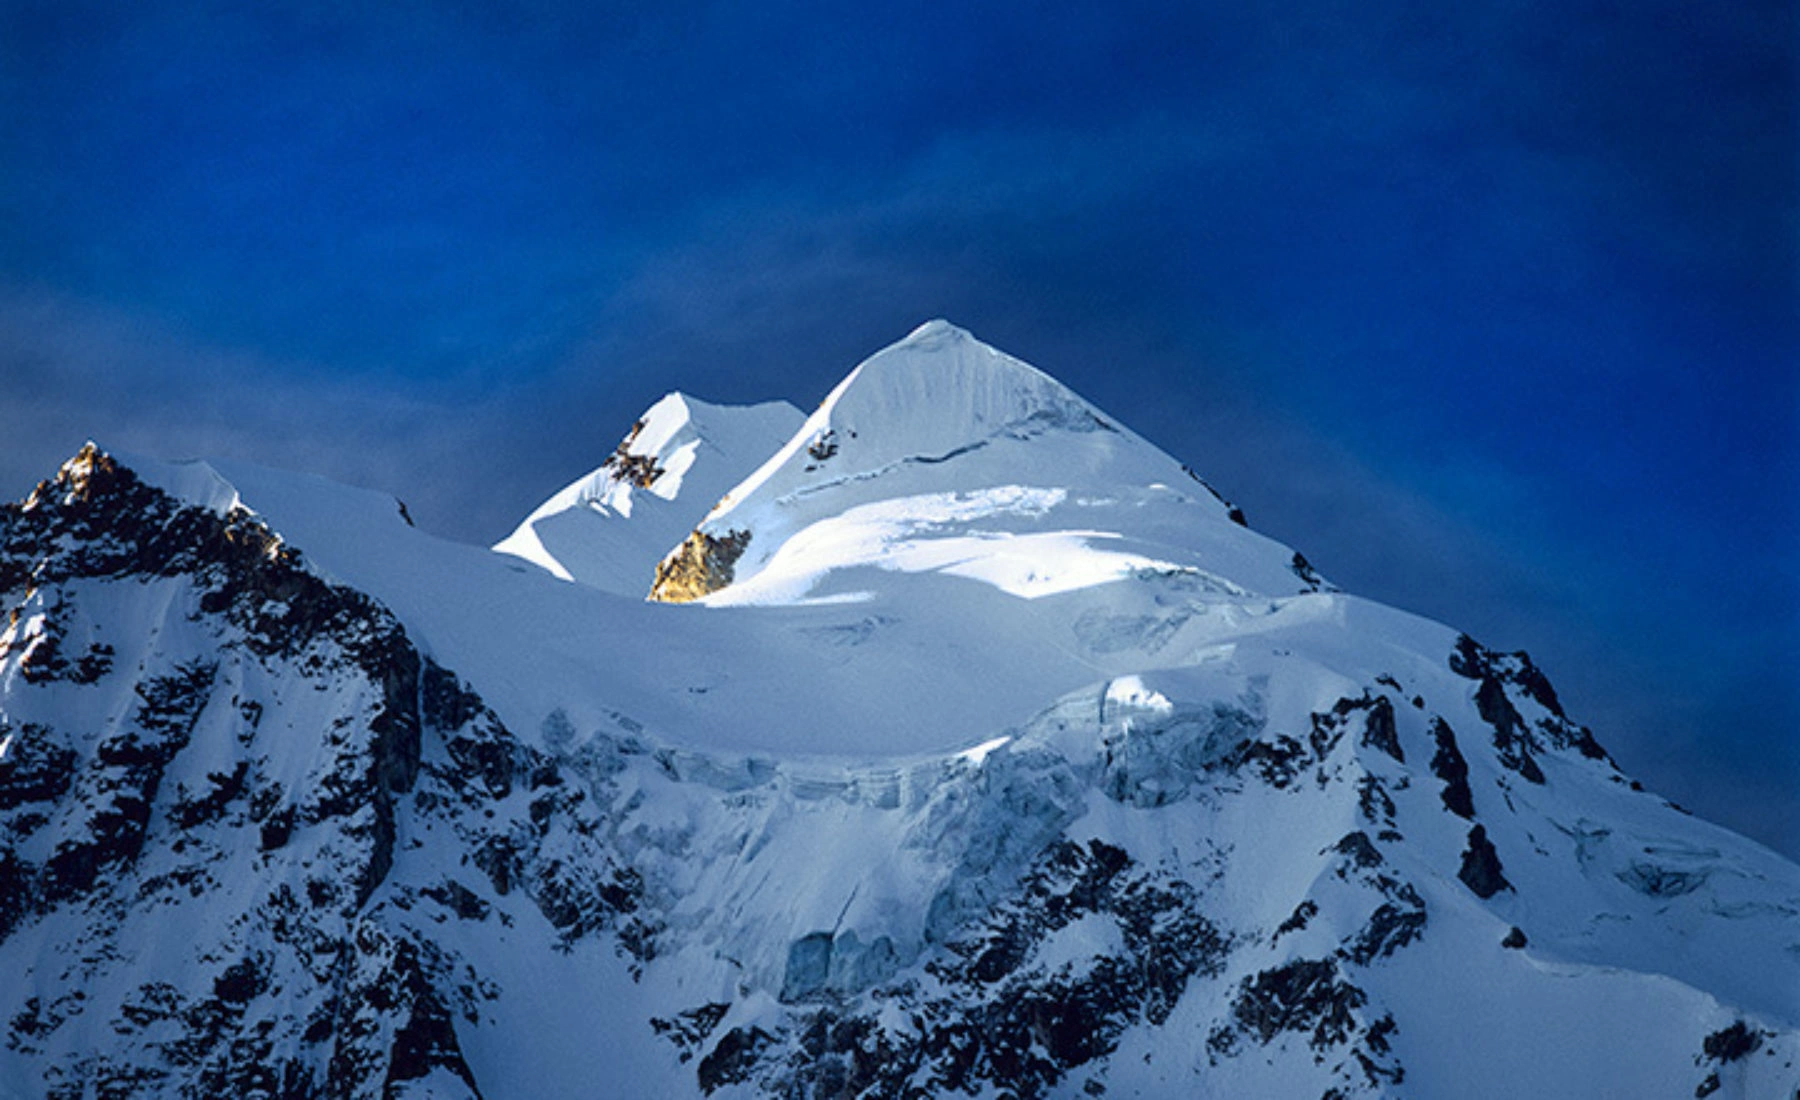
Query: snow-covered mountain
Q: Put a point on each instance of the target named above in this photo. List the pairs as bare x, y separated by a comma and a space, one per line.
970, 746
943, 455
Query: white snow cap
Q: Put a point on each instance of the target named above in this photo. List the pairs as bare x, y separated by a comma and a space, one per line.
940, 454
936, 391
942, 387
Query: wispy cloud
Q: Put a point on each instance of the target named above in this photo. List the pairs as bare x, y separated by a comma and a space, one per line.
73, 371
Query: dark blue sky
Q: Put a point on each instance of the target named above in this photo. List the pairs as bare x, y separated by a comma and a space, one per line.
1490, 308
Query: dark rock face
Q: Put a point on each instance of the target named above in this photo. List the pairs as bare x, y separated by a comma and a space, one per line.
1023, 1029
1374, 802
1232, 511
1399, 916
1379, 731
203, 808
1360, 851
119, 785
1505, 680
1378, 727
38, 768
689, 1029
1307, 574
41, 656
734, 1058
458, 899
1307, 996
1515, 745
426, 1038
365, 1003
1729, 1044
1391, 927
1279, 759
640, 470
1447, 764
989, 1015
1311, 1001
1298, 919
1480, 870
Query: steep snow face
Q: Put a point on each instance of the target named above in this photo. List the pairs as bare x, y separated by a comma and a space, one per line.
928, 662
608, 529
940, 454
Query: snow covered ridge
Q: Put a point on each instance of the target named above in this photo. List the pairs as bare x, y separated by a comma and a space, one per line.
609, 529
1026, 771
941, 453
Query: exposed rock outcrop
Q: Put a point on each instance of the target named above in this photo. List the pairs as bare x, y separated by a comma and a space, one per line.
699, 566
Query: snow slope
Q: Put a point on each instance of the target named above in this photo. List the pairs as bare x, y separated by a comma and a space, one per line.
1027, 770
1053, 553
610, 528
941, 454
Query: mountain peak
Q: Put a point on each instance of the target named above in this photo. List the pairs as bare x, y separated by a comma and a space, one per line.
935, 394
937, 330
940, 453
941, 382
90, 468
